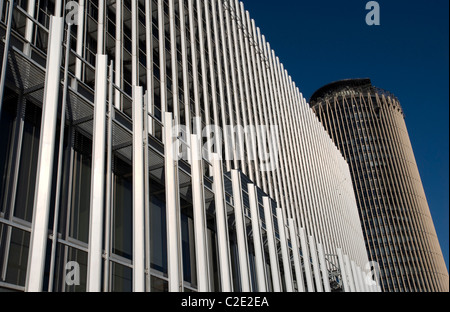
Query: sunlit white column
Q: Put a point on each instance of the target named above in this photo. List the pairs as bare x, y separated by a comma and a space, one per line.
271, 242
316, 268
348, 272
44, 171
306, 260
341, 261
174, 250
98, 177
198, 203
323, 267
361, 280
297, 261
241, 236
285, 251
222, 226
257, 243
355, 276
138, 192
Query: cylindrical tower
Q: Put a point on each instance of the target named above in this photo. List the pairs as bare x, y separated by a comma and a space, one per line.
368, 126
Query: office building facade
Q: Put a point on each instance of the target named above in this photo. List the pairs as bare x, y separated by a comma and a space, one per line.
368, 126
118, 173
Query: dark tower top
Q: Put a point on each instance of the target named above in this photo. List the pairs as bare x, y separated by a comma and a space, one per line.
347, 87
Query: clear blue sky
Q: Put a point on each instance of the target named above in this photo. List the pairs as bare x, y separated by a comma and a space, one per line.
322, 41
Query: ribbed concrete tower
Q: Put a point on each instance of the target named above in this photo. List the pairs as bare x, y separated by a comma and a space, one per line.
368, 126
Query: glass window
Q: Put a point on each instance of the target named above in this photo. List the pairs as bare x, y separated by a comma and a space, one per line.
64, 255
121, 278
18, 257
213, 261
187, 233
81, 194
158, 235
122, 215
81, 258
28, 164
7, 121
159, 285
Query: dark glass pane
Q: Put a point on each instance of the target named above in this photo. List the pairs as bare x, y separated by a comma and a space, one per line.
59, 277
28, 164
81, 258
65, 201
121, 278
66, 275
3, 242
18, 257
269, 276
235, 263
6, 130
80, 202
213, 261
6, 290
158, 235
251, 259
122, 215
159, 285
187, 234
